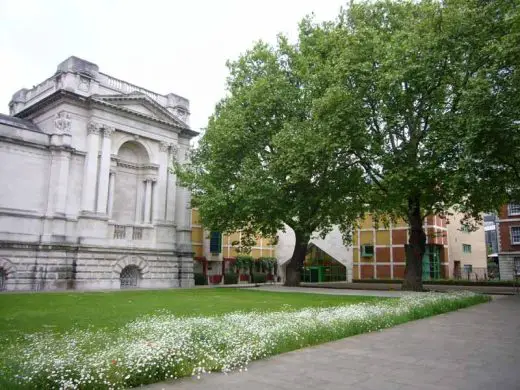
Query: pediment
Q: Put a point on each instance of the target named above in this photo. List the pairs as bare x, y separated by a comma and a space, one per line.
141, 104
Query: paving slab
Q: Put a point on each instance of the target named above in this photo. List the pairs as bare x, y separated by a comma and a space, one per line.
470, 349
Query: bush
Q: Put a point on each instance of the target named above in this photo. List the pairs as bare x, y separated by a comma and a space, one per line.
200, 279
259, 277
450, 282
230, 278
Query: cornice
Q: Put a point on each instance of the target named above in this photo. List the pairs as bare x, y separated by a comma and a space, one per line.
141, 97
117, 107
61, 95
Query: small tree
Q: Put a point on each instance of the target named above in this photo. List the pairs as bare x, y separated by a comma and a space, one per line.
266, 160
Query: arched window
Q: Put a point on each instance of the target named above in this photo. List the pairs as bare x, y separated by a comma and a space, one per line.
130, 277
3, 279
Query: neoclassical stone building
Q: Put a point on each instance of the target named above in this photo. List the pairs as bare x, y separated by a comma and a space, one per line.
87, 198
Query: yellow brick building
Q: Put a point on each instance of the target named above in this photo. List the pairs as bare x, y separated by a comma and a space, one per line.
213, 252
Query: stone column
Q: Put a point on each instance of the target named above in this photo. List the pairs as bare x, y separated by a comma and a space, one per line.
111, 189
104, 171
171, 185
88, 196
183, 211
148, 199
139, 203
160, 195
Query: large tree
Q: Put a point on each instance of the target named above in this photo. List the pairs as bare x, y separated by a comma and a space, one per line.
265, 159
405, 94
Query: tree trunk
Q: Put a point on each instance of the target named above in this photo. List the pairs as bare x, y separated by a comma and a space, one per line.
293, 269
415, 248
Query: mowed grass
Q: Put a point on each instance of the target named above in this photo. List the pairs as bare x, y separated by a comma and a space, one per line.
61, 311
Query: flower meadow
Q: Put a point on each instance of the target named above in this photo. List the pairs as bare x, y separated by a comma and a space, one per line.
164, 346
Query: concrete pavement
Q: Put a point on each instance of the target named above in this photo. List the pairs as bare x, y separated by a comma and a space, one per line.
474, 348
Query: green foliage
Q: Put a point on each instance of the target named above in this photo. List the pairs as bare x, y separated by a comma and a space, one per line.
266, 159
259, 277
244, 262
266, 264
230, 278
200, 279
405, 79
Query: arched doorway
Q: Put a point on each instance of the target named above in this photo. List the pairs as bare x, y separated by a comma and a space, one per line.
130, 277
3, 279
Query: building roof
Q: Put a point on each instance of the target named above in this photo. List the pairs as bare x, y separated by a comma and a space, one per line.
18, 122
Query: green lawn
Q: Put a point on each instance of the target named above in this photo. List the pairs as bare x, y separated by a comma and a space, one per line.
61, 311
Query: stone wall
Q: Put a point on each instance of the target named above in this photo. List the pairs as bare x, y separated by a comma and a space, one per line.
46, 267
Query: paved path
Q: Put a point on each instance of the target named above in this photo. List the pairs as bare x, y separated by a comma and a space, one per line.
474, 348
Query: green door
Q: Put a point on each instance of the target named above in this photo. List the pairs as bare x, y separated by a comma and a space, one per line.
426, 264
431, 266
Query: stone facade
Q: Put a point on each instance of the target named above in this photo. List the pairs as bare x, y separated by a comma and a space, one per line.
87, 194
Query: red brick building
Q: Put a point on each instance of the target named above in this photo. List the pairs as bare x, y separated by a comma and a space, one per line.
508, 236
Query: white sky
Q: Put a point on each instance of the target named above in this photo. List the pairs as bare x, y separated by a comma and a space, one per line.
165, 46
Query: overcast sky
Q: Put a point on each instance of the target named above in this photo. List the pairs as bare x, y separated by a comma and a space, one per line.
165, 46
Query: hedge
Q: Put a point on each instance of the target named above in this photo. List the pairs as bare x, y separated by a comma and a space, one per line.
230, 278
200, 279
259, 277
452, 282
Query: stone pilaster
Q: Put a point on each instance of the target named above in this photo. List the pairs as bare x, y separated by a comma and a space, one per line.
171, 185
160, 195
139, 202
148, 199
88, 197
104, 171
183, 210
111, 192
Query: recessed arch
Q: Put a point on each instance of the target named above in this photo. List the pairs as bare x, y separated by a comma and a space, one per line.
116, 145
133, 152
128, 260
7, 271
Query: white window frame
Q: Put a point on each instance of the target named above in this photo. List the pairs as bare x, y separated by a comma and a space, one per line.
516, 266
513, 209
513, 242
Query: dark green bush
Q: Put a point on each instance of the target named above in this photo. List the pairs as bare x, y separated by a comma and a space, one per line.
200, 279
259, 277
452, 282
230, 278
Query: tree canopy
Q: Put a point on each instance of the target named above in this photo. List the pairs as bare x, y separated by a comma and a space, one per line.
418, 90
265, 160
402, 108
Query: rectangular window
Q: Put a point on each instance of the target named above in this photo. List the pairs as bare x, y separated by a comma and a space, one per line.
466, 248
514, 209
367, 250
515, 235
516, 266
215, 242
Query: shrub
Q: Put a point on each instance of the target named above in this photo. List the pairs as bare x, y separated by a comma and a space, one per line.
230, 278
200, 279
452, 282
259, 277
